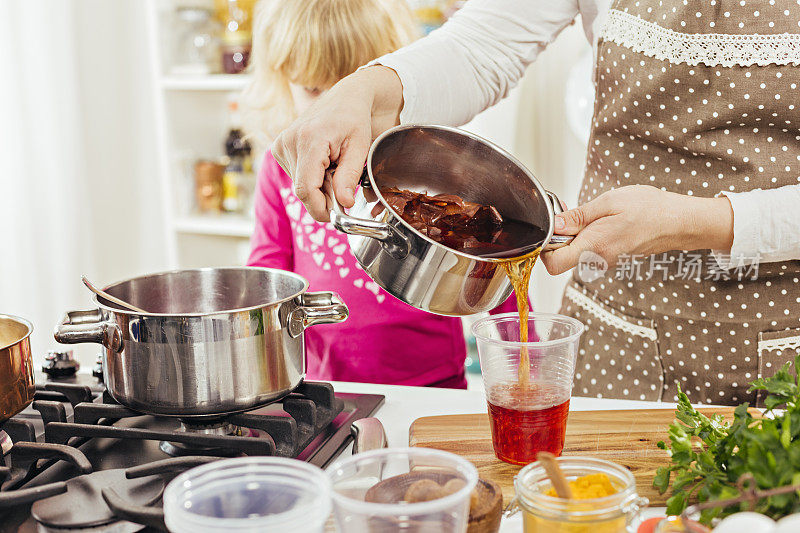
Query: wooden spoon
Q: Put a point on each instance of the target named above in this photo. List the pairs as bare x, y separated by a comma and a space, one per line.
112, 299
556, 475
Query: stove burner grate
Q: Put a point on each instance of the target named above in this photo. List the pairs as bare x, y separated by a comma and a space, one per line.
308, 410
180, 449
73, 429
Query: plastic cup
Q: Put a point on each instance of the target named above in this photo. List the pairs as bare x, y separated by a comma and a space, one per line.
369, 490
527, 417
248, 494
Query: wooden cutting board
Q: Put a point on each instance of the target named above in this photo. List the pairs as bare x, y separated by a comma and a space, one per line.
626, 437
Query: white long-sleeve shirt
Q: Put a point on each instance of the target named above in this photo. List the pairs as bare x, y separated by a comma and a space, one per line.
482, 52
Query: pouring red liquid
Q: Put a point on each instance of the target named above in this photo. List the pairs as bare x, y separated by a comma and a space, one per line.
528, 409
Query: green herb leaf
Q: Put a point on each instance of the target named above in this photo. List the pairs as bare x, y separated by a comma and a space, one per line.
708, 456
677, 503
661, 481
786, 433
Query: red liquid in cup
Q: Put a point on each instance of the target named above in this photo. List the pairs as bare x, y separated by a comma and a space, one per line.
524, 422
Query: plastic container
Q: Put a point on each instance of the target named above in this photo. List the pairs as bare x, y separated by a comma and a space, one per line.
357, 511
252, 494
532, 417
618, 513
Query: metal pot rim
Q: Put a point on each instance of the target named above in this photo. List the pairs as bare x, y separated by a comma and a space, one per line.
471, 135
24, 322
119, 310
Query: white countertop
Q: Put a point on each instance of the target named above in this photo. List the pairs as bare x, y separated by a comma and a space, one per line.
403, 405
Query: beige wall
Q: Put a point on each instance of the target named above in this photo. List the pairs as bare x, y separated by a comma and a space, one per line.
117, 112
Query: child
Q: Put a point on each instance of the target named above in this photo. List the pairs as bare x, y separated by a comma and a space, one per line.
300, 49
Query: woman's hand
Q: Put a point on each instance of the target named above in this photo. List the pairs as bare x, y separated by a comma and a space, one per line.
639, 219
339, 128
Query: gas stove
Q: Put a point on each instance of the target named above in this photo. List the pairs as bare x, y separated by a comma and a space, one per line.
75, 460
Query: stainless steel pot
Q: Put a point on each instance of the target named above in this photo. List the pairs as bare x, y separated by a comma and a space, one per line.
413, 267
16, 366
214, 341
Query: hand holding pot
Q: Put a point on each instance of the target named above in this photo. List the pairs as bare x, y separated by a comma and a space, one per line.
415, 268
641, 220
339, 129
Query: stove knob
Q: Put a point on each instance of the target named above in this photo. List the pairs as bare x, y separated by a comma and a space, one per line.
97, 370
60, 364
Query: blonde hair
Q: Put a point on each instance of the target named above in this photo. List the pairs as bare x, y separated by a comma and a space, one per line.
314, 43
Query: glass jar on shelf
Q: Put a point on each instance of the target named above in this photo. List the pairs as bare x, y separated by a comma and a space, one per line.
238, 181
236, 37
222, 11
197, 45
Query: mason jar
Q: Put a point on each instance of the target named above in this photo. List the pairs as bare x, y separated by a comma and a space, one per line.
617, 513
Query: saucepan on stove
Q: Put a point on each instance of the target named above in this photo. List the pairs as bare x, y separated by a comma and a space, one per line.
213, 341
16, 366
457, 279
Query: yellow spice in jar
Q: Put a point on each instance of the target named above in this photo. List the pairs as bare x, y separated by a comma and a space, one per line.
589, 487
584, 489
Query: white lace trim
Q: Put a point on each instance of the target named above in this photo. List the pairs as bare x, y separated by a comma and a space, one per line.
784, 343
710, 49
586, 303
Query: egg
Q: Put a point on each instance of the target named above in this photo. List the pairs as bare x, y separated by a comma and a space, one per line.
746, 522
788, 524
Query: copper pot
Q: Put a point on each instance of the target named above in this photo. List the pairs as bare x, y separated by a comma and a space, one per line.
16, 366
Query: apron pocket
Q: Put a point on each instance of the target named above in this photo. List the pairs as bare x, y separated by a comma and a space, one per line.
618, 355
775, 349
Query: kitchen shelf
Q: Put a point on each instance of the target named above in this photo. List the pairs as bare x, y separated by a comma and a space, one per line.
219, 225
211, 82
190, 123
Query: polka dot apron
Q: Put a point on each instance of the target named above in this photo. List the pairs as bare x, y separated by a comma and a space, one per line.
695, 98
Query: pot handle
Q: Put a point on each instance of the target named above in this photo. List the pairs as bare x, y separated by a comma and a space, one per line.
88, 326
395, 241
323, 307
368, 434
556, 241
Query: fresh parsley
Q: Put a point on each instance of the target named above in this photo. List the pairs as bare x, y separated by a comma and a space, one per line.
708, 455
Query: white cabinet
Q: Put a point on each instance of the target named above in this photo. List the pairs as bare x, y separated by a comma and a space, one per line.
191, 121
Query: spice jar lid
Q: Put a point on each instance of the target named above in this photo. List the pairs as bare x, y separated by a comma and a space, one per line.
532, 484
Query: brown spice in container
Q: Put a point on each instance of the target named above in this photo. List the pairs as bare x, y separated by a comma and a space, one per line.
208, 185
